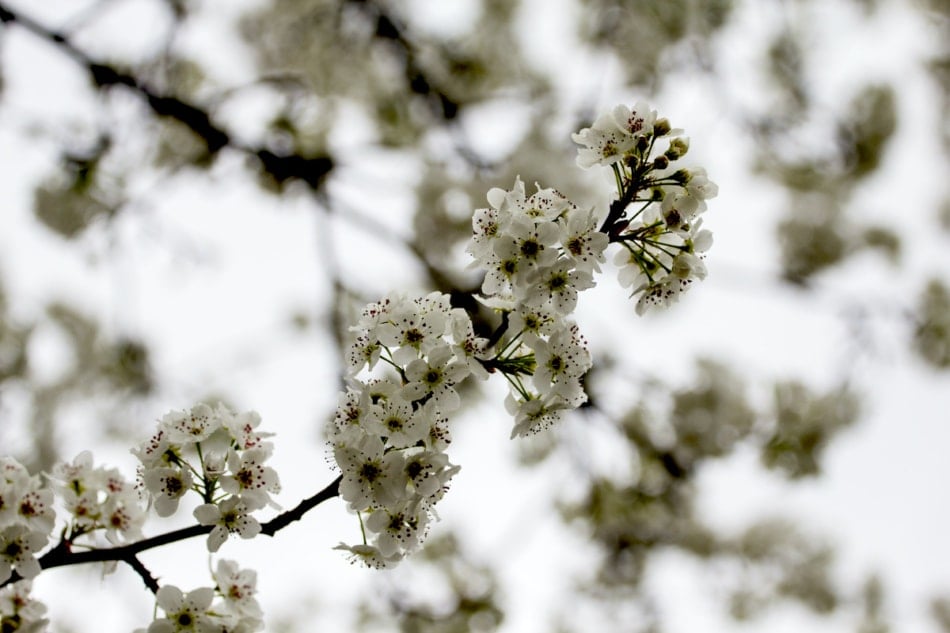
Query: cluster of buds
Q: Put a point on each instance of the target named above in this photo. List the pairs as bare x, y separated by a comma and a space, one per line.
656, 214
220, 456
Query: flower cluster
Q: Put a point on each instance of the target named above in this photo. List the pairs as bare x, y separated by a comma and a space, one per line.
97, 498
389, 434
19, 611
26, 519
218, 454
539, 251
228, 607
656, 216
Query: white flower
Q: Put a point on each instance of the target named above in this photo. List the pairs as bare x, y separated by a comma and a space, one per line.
228, 517
413, 329
17, 546
468, 347
14, 473
679, 209
167, 486
122, 516
353, 406
485, 230
533, 243
634, 122
184, 612
187, 427
243, 427
561, 358
427, 471
395, 419
364, 481
545, 205
369, 556
19, 611
363, 351
536, 414
154, 451
534, 321
436, 377
603, 143
582, 242
72, 480
699, 185
35, 510
250, 478
504, 269
399, 529
238, 587
557, 286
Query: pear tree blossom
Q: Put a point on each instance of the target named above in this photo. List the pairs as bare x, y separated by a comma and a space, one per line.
406, 361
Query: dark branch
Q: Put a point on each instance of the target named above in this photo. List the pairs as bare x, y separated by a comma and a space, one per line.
281, 521
62, 555
143, 571
311, 170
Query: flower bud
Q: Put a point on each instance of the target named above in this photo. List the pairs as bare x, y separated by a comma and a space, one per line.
681, 176
678, 147
661, 127
661, 162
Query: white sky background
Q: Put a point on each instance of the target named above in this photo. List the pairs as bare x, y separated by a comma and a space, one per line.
209, 268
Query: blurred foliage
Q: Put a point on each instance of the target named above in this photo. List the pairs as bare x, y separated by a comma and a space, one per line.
932, 332
943, 216
466, 600
817, 233
804, 423
642, 33
93, 366
777, 561
875, 620
13, 341
366, 51
940, 610
632, 519
77, 194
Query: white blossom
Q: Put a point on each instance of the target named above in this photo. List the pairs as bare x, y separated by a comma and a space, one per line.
229, 516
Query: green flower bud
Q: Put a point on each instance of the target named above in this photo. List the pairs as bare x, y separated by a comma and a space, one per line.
678, 147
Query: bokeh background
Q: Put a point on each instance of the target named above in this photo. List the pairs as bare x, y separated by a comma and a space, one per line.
199, 196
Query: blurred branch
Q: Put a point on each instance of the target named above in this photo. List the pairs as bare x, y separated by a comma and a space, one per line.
312, 170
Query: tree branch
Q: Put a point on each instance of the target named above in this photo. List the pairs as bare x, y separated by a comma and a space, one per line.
62, 555
312, 170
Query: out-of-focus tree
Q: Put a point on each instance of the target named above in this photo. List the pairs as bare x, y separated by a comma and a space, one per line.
339, 95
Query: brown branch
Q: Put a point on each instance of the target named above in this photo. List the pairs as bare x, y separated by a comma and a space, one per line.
62, 555
143, 571
281, 521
